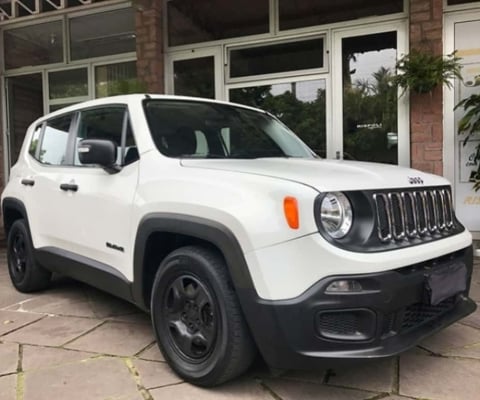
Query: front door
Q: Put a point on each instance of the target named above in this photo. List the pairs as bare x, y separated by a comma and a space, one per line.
100, 206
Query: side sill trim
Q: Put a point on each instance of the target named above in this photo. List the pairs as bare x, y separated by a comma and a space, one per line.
91, 272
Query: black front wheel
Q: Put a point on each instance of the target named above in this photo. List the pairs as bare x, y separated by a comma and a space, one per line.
26, 275
197, 319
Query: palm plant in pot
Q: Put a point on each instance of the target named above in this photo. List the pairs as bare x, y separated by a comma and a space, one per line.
470, 125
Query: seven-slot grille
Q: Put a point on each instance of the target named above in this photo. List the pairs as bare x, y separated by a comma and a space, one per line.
407, 215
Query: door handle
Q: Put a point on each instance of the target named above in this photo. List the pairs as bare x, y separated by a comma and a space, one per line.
28, 182
69, 187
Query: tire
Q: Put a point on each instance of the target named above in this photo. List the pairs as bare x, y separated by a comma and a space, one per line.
26, 275
197, 319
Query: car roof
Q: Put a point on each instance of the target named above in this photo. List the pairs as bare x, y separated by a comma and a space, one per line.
129, 98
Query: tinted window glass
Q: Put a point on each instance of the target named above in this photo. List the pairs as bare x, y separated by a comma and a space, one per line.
283, 57
34, 45
193, 21
102, 34
105, 124
298, 14
54, 142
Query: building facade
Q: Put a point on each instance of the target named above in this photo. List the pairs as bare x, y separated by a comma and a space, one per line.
322, 67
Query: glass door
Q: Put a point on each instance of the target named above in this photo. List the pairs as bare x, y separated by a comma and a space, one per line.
370, 120
195, 73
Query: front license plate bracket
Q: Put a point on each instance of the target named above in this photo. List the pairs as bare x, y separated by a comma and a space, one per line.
445, 281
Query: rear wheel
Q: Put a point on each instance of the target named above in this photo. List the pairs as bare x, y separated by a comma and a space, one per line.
26, 275
197, 318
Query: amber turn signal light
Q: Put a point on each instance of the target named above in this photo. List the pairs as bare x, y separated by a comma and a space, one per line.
290, 208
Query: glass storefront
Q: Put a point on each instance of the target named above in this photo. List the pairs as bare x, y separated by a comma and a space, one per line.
335, 94
64, 61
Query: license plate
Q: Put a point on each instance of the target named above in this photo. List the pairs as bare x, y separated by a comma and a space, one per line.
445, 281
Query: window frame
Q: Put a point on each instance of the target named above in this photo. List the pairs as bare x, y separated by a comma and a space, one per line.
126, 122
44, 124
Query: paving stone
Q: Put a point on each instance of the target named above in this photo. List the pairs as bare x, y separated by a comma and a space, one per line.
8, 387
472, 351
155, 374
153, 353
36, 357
314, 376
375, 376
137, 318
105, 305
439, 378
475, 291
9, 295
64, 304
135, 396
103, 378
473, 320
8, 358
452, 338
245, 389
9, 320
311, 391
115, 338
52, 331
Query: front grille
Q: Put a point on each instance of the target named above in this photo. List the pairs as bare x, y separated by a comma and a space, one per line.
409, 215
421, 313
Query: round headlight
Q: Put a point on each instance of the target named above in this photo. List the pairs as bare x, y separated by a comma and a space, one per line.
336, 214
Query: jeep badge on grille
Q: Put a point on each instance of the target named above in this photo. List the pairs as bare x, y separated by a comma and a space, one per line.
415, 180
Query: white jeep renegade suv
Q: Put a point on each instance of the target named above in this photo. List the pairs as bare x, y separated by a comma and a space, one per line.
222, 224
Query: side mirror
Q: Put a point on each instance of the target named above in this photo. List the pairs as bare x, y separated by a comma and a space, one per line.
100, 152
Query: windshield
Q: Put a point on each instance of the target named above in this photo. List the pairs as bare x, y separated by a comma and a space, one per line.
188, 129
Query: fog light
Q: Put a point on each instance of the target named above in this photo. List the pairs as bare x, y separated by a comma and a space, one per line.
344, 286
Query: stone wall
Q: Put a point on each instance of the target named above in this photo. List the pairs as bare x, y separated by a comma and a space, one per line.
426, 117
150, 55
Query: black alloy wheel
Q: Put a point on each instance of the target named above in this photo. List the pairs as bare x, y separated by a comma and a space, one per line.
191, 317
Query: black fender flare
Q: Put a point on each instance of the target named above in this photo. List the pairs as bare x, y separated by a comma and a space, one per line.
197, 227
11, 203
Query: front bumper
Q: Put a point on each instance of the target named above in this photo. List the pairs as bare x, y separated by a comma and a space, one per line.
389, 317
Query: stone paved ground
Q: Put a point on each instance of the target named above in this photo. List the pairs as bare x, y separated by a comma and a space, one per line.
74, 342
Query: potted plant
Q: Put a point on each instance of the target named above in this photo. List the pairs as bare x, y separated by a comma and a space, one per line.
421, 72
469, 125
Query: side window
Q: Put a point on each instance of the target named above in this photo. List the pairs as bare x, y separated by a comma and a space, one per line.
54, 143
107, 124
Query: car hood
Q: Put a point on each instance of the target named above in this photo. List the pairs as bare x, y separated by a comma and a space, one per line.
324, 175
